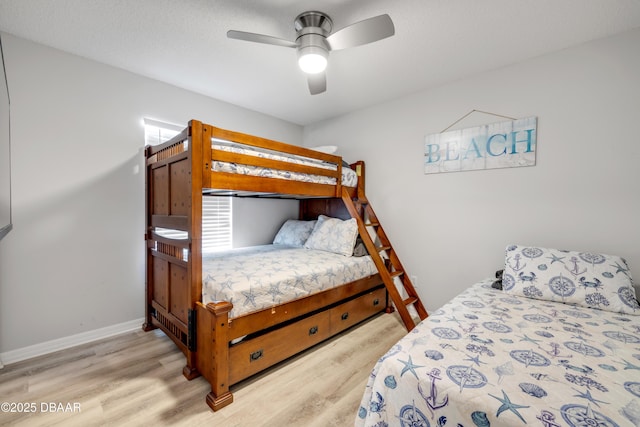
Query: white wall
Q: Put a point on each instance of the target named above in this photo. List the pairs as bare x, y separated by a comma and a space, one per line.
74, 262
451, 229
248, 213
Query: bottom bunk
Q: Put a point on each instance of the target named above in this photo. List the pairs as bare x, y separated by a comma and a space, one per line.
231, 350
511, 352
262, 305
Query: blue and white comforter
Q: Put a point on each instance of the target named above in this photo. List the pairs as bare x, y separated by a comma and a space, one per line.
349, 177
264, 276
489, 359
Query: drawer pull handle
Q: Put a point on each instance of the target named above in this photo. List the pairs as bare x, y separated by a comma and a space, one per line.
345, 316
313, 330
376, 302
255, 355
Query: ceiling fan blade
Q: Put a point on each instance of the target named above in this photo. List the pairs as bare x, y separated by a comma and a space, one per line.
260, 38
363, 32
317, 83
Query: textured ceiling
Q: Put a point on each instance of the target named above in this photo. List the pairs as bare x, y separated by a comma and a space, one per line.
184, 43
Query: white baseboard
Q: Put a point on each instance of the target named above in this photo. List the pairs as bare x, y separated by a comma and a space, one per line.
47, 347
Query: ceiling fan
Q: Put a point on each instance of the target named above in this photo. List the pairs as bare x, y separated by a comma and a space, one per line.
314, 41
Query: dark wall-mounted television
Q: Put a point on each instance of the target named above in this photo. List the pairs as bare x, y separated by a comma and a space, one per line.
5, 152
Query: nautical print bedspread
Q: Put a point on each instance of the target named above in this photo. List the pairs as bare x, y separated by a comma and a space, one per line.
488, 359
264, 276
349, 176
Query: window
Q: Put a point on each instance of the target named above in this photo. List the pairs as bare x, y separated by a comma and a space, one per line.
216, 223
156, 132
216, 210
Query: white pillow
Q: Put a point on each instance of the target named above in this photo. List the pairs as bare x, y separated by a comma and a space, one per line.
294, 232
328, 149
582, 278
333, 235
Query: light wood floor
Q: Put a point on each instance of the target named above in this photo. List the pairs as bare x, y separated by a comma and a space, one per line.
136, 379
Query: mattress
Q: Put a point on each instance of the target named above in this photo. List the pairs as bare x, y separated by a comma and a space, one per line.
349, 176
265, 276
489, 359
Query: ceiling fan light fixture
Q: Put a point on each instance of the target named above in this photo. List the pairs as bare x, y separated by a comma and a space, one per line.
312, 59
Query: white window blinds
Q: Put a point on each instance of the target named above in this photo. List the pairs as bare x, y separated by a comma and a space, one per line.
216, 210
216, 223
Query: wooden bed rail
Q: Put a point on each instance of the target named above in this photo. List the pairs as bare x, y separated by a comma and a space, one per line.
245, 159
168, 149
195, 142
269, 144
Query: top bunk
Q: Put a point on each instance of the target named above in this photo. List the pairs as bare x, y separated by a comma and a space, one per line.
227, 163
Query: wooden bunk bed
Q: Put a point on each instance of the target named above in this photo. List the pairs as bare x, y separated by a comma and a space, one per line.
225, 350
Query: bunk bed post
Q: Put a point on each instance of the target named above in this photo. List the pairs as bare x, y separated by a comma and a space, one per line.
197, 142
213, 351
147, 325
359, 168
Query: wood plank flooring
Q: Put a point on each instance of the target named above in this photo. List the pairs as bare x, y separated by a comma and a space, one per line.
136, 379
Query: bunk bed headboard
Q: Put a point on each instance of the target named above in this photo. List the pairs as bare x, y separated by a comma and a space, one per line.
174, 175
333, 207
311, 208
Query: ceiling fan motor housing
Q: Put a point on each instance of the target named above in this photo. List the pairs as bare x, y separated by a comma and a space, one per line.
313, 21
312, 29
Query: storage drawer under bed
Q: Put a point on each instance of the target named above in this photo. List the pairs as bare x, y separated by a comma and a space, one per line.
356, 310
254, 355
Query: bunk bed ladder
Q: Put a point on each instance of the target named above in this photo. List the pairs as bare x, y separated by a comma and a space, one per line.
385, 259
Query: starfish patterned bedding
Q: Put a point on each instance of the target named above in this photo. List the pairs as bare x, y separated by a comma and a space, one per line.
494, 357
349, 176
264, 276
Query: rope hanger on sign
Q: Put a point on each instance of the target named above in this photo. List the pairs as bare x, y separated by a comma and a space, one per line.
471, 112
